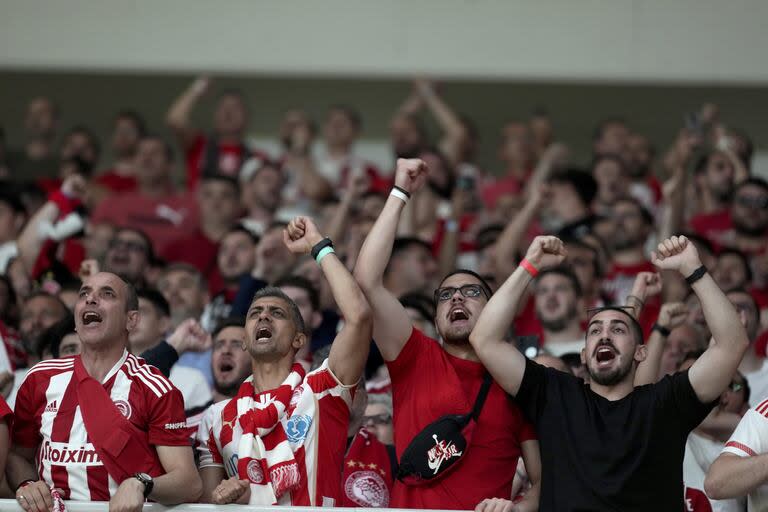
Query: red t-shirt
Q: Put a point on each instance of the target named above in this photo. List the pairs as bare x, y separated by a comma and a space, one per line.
6, 414
115, 182
48, 415
618, 281
495, 189
198, 250
164, 219
231, 156
428, 383
711, 225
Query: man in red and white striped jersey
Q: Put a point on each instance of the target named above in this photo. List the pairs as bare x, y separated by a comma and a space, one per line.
104, 424
742, 467
281, 440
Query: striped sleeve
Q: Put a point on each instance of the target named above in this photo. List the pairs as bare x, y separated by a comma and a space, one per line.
751, 436
205, 440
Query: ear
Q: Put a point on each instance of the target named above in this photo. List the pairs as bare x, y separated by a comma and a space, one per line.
132, 321
19, 221
317, 319
165, 324
641, 352
299, 340
583, 356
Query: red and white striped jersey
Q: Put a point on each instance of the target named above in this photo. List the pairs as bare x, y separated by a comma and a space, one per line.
749, 440
318, 442
48, 416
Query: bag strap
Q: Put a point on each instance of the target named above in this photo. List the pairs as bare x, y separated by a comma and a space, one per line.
481, 396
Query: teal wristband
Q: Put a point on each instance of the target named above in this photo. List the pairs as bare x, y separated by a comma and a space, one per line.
325, 251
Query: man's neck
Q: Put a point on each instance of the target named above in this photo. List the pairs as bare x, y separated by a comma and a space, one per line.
571, 332
98, 361
214, 232
631, 256
269, 375
750, 363
124, 166
710, 203
219, 397
615, 392
338, 152
462, 351
155, 188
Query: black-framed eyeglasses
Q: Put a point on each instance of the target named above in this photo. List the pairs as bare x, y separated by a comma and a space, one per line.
735, 386
470, 291
753, 203
129, 246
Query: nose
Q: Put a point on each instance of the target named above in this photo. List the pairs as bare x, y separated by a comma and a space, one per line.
457, 297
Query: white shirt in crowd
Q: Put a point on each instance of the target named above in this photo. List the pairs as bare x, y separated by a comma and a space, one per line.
700, 453
749, 440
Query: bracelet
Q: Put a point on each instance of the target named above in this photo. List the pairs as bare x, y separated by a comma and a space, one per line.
696, 275
662, 330
325, 251
401, 189
319, 246
400, 194
24, 484
528, 266
638, 299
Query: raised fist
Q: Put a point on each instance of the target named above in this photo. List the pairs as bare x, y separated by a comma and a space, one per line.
676, 253
301, 235
88, 268
545, 251
672, 314
190, 336
74, 186
410, 174
201, 85
647, 284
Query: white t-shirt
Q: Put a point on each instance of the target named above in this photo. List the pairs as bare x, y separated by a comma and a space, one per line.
749, 440
193, 386
758, 384
700, 453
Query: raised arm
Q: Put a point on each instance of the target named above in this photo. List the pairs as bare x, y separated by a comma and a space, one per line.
510, 239
391, 323
178, 115
505, 363
712, 372
453, 130
349, 350
671, 315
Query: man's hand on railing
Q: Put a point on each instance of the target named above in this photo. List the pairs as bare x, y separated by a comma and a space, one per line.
129, 497
35, 497
230, 491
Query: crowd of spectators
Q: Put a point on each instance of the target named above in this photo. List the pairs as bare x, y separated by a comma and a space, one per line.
207, 237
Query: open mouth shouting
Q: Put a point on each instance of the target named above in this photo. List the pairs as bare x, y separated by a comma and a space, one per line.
605, 355
458, 314
263, 334
225, 368
91, 318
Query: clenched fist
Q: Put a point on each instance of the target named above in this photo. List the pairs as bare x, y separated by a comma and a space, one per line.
301, 235
545, 251
677, 253
410, 174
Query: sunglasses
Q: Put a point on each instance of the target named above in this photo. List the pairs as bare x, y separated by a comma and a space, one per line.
736, 386
470, 291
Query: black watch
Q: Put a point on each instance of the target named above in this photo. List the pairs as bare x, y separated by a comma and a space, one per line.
148, 482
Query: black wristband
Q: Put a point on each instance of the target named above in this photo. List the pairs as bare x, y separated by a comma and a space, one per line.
24, 484
319, 246
662, 330
696, 275
401, 189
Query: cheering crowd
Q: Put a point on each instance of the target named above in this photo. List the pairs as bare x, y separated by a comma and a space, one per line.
201, 321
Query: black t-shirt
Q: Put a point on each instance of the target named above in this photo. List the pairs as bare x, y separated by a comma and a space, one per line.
600, 455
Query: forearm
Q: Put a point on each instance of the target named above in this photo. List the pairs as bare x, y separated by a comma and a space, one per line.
720, 315
177, 486
498, 313
731, 476
312, 185
338, 224
178, 114
509, 240
29, 241
719, 425
377, 248
346, 292
19, 468
445, 116
449, 248
648, 370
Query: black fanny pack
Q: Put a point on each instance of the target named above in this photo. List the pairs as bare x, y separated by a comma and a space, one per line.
440, 446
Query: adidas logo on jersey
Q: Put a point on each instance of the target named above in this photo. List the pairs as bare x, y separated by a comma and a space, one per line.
52, 407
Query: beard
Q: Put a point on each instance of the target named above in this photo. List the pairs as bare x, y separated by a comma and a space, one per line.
750, 231
611, 378
456, 336
228, 390
560, 323
723, 194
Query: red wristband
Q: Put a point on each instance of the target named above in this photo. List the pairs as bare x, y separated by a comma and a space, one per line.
528, 266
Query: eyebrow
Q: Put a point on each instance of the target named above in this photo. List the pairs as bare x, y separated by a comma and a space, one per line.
613, 321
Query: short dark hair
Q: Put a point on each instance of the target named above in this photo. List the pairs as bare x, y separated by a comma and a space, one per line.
221, 178
41, 293
603, 125
81, 129
571, 241
232, 321
488, 235
12, 199
135, 118
566, 272
167, 148
131, 297
52, 336
700, 242
350, 112
728, 251
296, 281
646, 215
142, 234
239, 228
745, 386
754, 181
407, 242
293, 309
608, 157
582, 182
483, 282
156, 298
